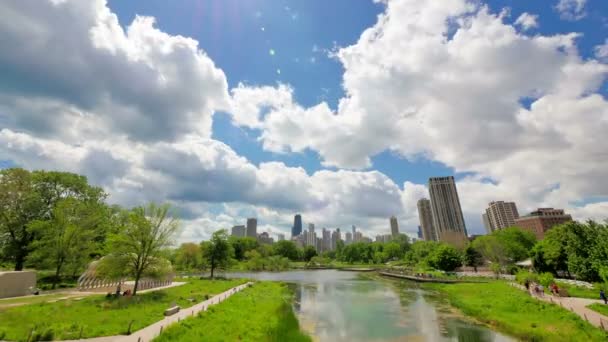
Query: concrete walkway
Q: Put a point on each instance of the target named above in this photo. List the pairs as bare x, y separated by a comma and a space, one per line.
576, 305
151, 331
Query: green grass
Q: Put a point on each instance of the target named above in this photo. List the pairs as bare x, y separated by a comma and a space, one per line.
100, 316
31, 299
601, 308
512, 311
260, 313
582, 292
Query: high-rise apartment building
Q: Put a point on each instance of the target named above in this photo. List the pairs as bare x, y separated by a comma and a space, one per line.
335, 237
326, 245
239, 231
297, 225
252, 228
349, 238
394, 226
280, 237
501, 215
486, 223
541, 220
448, 220
425, 215
311, 236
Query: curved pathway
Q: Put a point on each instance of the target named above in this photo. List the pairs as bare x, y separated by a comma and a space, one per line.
576, 305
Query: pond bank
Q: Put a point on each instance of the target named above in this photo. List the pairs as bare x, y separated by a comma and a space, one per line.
509, 310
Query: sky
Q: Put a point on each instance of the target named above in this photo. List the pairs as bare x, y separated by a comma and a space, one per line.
338, 110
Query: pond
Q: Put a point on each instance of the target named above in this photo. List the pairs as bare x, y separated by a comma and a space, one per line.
337, 305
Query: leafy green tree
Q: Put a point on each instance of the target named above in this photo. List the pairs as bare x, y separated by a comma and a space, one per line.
472, 258
67, 239
309, 253
188, 256
505, 246
137, 250
242, 245
20, 204
287, 249
445, 258
419, 252
217, 251
393, 251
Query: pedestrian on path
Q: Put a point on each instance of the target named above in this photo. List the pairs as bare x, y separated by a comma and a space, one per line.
603, 297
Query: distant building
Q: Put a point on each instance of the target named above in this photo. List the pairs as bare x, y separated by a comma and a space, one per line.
311, 239
239, 231
326, 237
383, 238
540, 221
358, 237
486, 223
252, 227
319, 245
419, 235
448, 220
349, 238
501, 215
425, 215
335, 237
280, 237
265, 239
297, 225
394, 226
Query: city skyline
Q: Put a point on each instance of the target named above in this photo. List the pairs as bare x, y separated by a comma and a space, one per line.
314, 121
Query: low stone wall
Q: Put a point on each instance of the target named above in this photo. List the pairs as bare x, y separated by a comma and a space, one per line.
18, 283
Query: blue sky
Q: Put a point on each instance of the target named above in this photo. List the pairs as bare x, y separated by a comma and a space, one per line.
504, 99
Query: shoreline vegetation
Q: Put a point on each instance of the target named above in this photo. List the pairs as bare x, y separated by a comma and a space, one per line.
262, 312
96, 315
508, 310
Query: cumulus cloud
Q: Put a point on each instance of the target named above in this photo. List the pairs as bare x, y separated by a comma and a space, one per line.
456, 84
527, 21
601, 51
75, 65
571, 9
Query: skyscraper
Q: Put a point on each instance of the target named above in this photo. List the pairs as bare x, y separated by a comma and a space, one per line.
252, 228
281, 237
486, 222
326, 240
425, 215
297, 226
447, 213
239, 231
349, 238
394, 226
312, 236
501, 215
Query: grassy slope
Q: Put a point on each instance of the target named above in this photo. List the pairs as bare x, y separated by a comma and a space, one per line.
514, 312
601, 308
98, 316
582, 292
31, 299
260, 313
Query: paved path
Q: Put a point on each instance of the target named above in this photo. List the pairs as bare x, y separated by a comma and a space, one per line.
576, 305
150, 332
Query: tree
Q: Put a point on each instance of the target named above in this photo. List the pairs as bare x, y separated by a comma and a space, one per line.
242, 245
137, 249
188, 256
286, 249
20, 204
445, 258
472, 258
505, 246
217, 251
67, 239
309, 252
419, 252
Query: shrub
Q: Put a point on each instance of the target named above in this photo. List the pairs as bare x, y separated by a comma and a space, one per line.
523, 275
545, 279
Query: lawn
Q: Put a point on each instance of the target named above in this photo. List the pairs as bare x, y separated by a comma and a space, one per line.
100, 316
31, 299
601, 308
582, 292
514, 312
260, 313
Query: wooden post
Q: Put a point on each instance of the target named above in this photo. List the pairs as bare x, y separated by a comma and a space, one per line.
129, 329
80, 336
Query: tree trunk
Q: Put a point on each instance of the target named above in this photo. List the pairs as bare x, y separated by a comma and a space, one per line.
19, 260
137, 276
56, 277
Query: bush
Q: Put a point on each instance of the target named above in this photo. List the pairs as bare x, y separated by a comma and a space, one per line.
523, 275
545, 279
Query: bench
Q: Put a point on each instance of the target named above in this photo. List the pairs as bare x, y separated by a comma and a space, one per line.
172, 310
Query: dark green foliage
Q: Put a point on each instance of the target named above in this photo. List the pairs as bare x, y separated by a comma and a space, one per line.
286, 249
218, 251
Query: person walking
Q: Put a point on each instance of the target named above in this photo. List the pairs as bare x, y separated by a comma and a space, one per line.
603, 297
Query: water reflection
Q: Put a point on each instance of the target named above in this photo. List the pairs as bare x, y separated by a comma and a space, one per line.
341, 306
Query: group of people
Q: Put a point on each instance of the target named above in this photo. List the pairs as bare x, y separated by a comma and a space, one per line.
539, 289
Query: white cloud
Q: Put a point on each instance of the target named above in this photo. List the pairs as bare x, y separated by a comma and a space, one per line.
75, 64
527, 21
601, 51
571, 9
